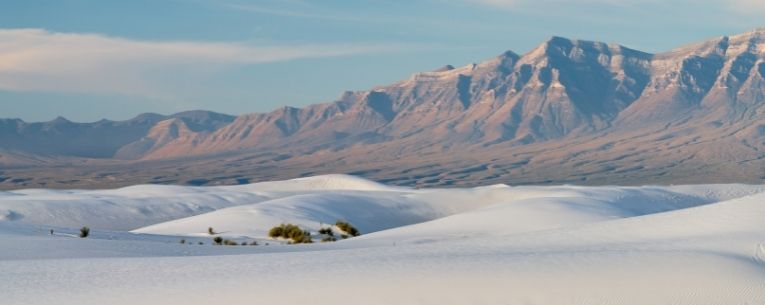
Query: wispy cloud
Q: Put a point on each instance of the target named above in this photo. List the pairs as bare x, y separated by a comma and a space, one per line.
517, 3
740, 6
285, 12
315, 10
40, 60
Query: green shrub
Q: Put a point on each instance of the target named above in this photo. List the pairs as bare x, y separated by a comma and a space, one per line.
218, 240
347, 228
84, 232
305, 239
326, 231
292, 232
276, 231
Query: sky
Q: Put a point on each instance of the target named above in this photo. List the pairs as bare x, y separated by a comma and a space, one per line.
91, 59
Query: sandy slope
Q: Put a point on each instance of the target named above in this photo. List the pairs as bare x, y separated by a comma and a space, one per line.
700, 244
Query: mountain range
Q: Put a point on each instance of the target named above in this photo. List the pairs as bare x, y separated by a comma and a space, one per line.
568, 111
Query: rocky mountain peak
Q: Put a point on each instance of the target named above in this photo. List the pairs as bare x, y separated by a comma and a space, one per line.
563, 91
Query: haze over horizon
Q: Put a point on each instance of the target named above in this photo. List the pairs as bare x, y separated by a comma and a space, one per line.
114, 60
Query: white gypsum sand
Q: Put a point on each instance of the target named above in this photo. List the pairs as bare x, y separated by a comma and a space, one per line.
702, 244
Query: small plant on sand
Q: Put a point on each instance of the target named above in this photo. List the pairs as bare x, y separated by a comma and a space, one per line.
305, 239
218, 240
326, 231
290, 231
84, 232
276, 231
347, 228
229, 242
328, 235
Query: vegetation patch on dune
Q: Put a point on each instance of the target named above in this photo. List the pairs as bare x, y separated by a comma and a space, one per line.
295, 234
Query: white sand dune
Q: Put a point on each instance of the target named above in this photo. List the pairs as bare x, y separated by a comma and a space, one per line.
702, 244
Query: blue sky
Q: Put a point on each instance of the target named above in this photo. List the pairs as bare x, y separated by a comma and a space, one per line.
94, 59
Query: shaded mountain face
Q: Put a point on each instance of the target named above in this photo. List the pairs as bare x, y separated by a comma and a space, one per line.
563, 88
586, 106
102, 139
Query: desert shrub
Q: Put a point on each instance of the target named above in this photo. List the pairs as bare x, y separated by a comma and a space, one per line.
183, 241
344, 236
305, 239
347, 228
254, 243
218, 240
276, 231
292, 232
201, 243
244, 243
229, 242
326, 231
328, 239
84, 232
210, 231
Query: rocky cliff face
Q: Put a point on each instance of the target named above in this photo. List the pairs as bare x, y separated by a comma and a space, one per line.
563, 88
600, 100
